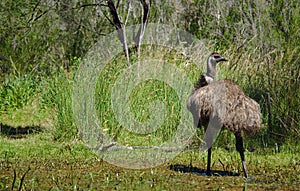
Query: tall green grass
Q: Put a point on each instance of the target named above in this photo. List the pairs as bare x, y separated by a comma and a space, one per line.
273, 83
17, 92
64, 127
257, 78
39, 99
143, 95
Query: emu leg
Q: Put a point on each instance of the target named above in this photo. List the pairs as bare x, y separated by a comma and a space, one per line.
240, 149
208, 171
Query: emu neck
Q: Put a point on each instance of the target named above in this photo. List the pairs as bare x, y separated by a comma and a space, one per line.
211, 68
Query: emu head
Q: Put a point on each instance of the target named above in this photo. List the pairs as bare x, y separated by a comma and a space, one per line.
212, 61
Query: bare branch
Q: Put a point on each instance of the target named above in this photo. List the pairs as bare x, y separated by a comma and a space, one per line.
118, 25
118, 3
110, 21
89, 5
146, 14
114, 14
114, 147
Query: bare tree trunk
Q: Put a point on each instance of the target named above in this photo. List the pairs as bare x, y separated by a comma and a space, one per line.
120, 28
141, 30
116, 21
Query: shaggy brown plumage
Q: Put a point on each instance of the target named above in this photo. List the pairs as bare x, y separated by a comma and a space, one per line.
228, 105
241, 112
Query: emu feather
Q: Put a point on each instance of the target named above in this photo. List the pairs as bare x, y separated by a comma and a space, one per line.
228, 106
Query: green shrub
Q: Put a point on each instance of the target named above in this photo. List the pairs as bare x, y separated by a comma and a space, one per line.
17, 92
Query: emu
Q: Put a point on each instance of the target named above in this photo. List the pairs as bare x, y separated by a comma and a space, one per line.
242, 114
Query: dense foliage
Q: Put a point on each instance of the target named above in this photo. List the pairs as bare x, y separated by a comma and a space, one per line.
41, 40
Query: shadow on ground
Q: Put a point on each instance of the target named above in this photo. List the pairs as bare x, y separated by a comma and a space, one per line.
201, 172
19, 131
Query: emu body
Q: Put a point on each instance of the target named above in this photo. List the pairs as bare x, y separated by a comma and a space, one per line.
240, 112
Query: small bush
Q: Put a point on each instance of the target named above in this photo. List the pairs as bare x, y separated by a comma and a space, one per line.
17, 92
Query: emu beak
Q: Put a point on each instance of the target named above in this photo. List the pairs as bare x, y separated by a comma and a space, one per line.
222, 59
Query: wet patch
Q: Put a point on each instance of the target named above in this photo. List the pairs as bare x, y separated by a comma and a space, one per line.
19, 131
201, 172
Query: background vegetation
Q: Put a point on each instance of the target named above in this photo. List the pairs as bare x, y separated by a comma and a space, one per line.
42, 41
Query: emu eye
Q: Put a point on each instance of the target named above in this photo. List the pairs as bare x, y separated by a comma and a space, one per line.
217, 56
